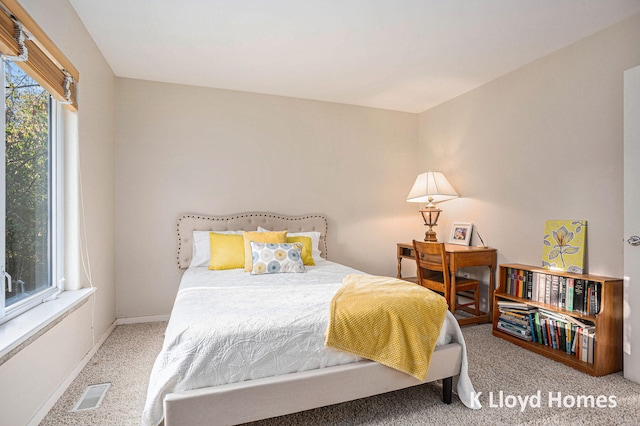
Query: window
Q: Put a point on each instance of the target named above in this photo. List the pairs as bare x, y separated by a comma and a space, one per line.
31, 191
38, 79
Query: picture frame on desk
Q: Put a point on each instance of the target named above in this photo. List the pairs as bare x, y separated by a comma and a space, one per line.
461, 233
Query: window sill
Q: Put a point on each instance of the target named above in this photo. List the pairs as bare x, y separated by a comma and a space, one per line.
18, 332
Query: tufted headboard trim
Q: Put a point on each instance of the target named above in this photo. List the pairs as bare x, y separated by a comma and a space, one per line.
247, 222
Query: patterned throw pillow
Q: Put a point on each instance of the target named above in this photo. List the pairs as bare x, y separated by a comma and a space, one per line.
273, 258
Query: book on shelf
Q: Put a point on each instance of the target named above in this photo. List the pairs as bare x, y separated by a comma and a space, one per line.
537, 328
555, 288
547, 289
565, 318
571, 294
594, 291
514, 318
517, 319
542, 285
534, 286
514, 332
556, 330
521, 290
562, 292
520, 320
567, 339
551, 330
544, 323
507, 304
563, 332
532, 327
592, 342
578, 294
514, 322
584, 354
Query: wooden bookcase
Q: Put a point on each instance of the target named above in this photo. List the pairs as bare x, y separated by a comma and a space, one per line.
607, 354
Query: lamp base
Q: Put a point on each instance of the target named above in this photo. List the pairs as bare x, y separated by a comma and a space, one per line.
430, 215
430, 236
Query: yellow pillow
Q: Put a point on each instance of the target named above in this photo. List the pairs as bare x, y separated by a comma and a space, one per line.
307, 249
227, 251
260, 237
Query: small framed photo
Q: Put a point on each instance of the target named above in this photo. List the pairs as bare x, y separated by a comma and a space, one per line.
461, 233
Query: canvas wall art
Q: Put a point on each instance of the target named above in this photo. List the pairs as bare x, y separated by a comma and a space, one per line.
564, 245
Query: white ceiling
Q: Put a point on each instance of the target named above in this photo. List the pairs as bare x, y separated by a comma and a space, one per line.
404, 55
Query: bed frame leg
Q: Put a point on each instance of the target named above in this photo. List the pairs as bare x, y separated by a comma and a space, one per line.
447, 385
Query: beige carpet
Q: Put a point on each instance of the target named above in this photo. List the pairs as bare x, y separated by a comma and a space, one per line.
495, 365
125, 360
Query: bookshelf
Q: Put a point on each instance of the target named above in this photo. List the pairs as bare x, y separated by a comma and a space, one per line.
607, 348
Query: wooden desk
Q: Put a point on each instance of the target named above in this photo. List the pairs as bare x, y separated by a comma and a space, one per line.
460, 257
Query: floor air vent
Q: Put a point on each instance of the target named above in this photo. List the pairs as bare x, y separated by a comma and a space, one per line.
92, 397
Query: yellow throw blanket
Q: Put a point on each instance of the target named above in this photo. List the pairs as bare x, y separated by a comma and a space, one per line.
390, 321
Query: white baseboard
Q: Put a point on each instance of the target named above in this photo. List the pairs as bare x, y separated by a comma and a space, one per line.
48, 405
137, 320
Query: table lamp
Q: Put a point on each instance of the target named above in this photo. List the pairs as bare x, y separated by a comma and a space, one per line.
431, 187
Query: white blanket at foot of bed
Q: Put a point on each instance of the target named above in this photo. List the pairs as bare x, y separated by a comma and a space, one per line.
230, 326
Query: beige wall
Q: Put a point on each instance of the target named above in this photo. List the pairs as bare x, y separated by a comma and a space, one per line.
30, 378
96, 146
59, 355
183, 149
542, 142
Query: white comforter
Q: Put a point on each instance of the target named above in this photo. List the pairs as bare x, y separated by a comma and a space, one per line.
230, 326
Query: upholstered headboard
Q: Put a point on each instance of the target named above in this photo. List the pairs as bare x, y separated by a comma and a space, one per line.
246, 222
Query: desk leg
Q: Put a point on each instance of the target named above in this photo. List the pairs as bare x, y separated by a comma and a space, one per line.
452, 293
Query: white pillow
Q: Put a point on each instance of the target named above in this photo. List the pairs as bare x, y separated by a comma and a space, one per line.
315, 241
202, 247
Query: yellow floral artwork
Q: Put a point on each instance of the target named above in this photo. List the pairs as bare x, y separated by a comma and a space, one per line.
564, 245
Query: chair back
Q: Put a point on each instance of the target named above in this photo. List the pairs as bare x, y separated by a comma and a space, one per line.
432, 265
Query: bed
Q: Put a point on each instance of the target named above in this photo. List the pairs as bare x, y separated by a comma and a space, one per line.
244, 375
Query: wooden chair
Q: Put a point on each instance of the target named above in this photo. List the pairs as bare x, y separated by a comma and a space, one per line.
434, 274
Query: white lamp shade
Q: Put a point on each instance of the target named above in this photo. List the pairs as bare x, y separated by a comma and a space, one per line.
431, 187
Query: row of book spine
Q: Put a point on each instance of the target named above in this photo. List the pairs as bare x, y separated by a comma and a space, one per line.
551, 329
573, 294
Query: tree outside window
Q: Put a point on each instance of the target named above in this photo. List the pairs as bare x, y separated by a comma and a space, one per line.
27, 180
